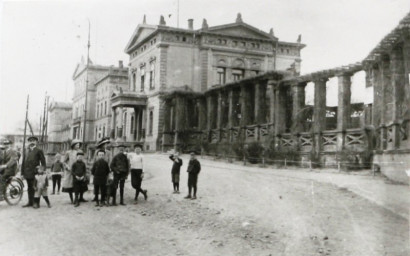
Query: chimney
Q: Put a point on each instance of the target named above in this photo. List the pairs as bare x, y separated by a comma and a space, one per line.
120, 64
204, 24
191, 24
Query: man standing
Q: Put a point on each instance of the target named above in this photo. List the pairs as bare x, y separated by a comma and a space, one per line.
175, 171
8, 163
137, 172
120, 167
34, 158
194, 167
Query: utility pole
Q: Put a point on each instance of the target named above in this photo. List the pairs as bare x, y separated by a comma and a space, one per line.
24, 138
86, 86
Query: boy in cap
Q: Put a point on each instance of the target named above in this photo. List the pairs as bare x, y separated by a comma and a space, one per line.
194, 167
34, 158
120, 167
100, 170
102, 145
79, 171
40, 188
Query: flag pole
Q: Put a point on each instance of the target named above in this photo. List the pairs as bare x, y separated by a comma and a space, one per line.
24, 136
86, 87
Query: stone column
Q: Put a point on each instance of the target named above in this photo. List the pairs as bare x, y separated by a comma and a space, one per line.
298, 105
271, 92
209, 114
179, 120
135, 123
244, 106
397, 82
298, 94
202, 123
113, 120
121, 120
319, 113
384, 81
230, 109
280, 109
219, 111
406, 58
260, 103
343, 108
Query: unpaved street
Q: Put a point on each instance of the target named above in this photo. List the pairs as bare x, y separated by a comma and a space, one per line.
238, 212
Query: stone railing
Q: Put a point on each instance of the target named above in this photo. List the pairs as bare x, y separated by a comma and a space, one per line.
329, 141
235, 133
355, 140
214, 135
305, 141
286, 141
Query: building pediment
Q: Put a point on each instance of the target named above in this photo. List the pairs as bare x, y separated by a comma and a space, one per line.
140, 33
241, 30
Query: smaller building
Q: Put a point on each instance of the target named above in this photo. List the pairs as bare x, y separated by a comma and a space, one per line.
59, 121
115, 80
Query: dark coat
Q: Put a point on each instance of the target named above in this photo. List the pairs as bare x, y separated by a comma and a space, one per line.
9, 157
194, 167
176, 167
100, 170
34, 158
120, 166
79, 169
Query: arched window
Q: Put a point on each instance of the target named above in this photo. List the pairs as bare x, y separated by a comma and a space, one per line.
103, 131
151, 122
105, 108
98, 109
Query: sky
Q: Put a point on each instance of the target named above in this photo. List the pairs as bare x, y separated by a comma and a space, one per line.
41, 42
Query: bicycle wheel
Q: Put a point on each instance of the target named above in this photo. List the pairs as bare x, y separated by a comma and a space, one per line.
13, 191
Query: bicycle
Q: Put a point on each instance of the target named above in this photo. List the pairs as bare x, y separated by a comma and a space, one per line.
12, 191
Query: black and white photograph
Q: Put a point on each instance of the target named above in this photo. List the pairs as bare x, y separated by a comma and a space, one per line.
205, 127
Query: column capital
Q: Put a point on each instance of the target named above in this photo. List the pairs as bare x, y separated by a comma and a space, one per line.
319, 79
298, 83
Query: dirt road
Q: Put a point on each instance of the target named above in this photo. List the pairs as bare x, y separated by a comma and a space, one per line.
238, 212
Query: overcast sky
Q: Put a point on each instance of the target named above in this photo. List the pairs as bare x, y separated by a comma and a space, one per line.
42, 41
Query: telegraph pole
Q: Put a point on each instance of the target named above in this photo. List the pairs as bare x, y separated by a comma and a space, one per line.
86, 86
24, 137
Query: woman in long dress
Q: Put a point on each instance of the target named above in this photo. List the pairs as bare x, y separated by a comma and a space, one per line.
70, 158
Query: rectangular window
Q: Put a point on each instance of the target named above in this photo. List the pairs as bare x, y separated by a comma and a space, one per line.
142, 79
152, 76
134, 81
221, 75
237, 74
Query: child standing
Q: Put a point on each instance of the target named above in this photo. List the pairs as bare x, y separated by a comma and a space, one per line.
40, 188
79, 180
176, 168
57, 170
100, 170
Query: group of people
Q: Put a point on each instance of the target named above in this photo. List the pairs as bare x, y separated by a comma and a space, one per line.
70, 172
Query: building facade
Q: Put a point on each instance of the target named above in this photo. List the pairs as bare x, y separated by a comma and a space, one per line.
81, 74
59, 126
115, 80
164, 59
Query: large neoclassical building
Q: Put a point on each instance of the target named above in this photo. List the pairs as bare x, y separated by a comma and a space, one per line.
215, 87
167, 60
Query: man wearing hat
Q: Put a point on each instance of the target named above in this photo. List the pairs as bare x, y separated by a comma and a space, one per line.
34, 158
102, 146
120, 167
194, 167
8, 163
